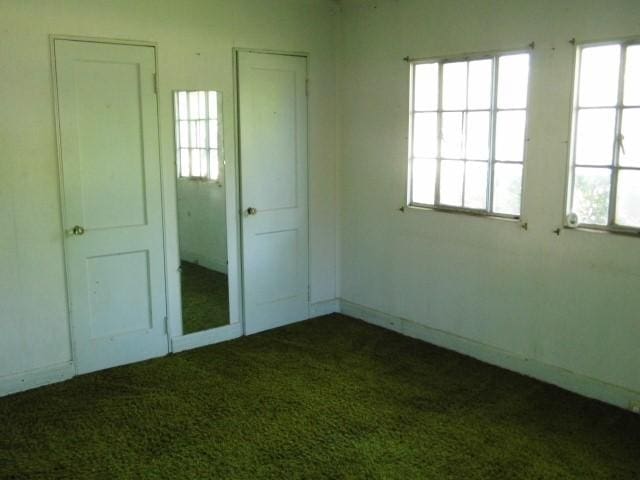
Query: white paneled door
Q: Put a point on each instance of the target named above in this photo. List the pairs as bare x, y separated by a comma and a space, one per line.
108, 130
273, 171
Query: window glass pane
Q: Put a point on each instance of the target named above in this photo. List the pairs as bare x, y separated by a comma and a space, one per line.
193, 134
196, 163
425, 135
513, 78
630, 148
478, 135
594, 136
194, 105
183, 132
475, 185
197, 138
425, 94
480, 84
510, 126
507, 188
452, 136
451, 178
213, 134
628, 198
201, 133
184, 162
423, 181
213, 104
599, 71
202, 102
183, 109
214, 166
591, 195
454, 86
632, 76
204, 159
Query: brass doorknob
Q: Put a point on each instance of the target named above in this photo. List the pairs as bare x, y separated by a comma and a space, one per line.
251, 211
77, 230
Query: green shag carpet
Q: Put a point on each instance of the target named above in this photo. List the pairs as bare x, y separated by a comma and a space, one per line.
205, 298
328, 398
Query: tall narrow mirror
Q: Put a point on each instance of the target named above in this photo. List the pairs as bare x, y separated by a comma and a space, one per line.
201, 211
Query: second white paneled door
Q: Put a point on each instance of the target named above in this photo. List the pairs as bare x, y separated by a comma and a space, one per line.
273, 169
108, 120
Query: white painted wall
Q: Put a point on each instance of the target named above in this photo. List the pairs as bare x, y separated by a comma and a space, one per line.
202, 228
195, 39
568, 301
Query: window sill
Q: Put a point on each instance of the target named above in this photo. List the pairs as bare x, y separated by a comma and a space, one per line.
625, 232
465, 212
200, 180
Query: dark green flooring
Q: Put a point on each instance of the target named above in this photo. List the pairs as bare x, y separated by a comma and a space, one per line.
205, 298
327, 398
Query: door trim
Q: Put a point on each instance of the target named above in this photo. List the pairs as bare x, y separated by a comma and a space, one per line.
236, 126
234, 328
52, 56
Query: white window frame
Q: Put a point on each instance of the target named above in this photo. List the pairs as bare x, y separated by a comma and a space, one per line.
218, 151
614, 167
493, 110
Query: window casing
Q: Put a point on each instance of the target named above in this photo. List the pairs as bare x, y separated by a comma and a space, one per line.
604, 177
468, 132
197, 135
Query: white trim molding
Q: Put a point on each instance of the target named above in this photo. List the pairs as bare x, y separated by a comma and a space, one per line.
216, 264
206, 337
36, 378
563, 378
324, 307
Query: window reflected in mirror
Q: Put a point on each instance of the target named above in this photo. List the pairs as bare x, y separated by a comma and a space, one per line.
201, 210
197, 135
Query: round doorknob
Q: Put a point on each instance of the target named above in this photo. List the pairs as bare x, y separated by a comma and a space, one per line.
77, 230
251, 211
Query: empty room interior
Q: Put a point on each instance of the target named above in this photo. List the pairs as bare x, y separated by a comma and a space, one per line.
319, 239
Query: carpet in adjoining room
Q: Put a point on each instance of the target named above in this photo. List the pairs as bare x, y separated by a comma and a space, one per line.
205, 298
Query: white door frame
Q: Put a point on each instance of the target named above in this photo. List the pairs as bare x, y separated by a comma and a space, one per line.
236, 125
235, 329
115, 41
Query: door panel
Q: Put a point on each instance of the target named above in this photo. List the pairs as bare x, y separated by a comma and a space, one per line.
109, 147
118, 305
273, 150
276, 252
272, 139
111, 188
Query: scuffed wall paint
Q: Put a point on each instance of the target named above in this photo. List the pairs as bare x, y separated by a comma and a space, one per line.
568, 301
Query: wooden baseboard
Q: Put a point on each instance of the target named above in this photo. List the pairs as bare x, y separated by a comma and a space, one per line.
566, 379
324, 307
36, 378
207, 337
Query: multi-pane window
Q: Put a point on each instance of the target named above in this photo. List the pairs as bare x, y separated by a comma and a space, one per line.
604, 186
196, 115
468, 120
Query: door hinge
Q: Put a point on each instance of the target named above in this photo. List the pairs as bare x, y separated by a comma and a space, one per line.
155, 83
306, 87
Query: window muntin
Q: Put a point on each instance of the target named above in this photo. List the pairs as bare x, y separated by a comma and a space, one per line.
604, 185
197, 134
468, 121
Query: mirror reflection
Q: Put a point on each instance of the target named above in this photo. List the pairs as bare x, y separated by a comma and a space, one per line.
201, 211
